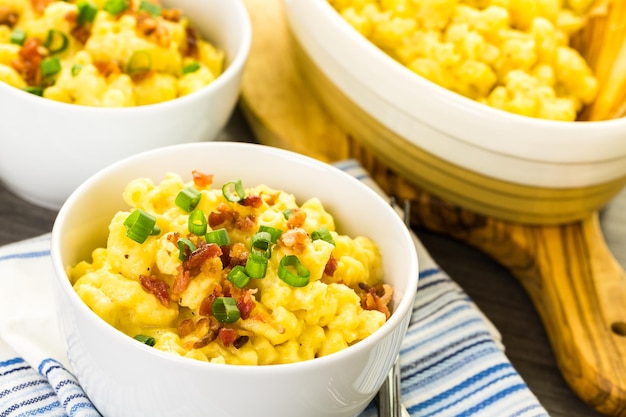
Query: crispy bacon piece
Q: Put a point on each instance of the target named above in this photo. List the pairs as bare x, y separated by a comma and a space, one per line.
246, 224
331, 266
40, 5
237, 255
240, 341
8, 16
146, 24
201, 254
81, 33
245, 303
181, 282
156, 287
173, 15
201, 180
254, 201
206, 307
192, 42
295, 239
227, 336
106, 68
28, 60
224, 214
296, 218
376, 298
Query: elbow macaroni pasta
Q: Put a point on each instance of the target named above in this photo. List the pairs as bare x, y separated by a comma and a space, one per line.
131, 58
283, 323
509, 54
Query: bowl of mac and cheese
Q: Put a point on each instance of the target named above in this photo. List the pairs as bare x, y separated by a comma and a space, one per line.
217, 278
84, 83
482, 103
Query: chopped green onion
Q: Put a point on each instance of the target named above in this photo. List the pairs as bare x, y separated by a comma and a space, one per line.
76, 69
50, 66
225, 310
153, 9
146, 340
185, 247
219, 237
290, 264
233, 191
274, 232
238, 276
18, 36
197, 222
38, 91
193, 67
139, 62
188, 199
116, 6
56, 41
261, 244
287, 213
139, 225
322, 233
87, 12
256, 266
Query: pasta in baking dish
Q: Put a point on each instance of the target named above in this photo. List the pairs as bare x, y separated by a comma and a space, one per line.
232, 274
103, 53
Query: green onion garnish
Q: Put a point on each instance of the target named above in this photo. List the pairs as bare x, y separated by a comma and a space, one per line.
87, 12
322, 233
153, 9
185, 247
18, 36
261, 244
233, 191
188, 198
38, 91
193, 67
56, 41
76, 69
256, 266
140, 224
146, 340
238, 276
219, 237
197, 223
225, 310
287, 213
139, 62
50, 66
290, 264
274, 232
116, 6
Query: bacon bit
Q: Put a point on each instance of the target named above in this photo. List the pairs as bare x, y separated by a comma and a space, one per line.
81, 33
40, 5
8, 16
238, 255
227, 335
106, 68
192, 42
270, 199
181, 282
28, 60
146, 23
296, 218
295, 239
156, 287
162, 35
201, 254
224, 214
376, 298
240, 341
201, 180
173, 15
254, 201
246, 224
331, 266
206, 307
185, 327
245, 304
216, 218
173, 237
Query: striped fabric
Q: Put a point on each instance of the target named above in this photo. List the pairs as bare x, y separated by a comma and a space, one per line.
452, 361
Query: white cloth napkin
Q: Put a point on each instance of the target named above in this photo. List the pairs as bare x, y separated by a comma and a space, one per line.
452, 360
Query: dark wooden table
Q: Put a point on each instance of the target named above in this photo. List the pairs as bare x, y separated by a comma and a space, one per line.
492, 287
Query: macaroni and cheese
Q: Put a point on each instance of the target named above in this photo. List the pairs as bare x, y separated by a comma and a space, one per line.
233, 275
509, 54
105, 53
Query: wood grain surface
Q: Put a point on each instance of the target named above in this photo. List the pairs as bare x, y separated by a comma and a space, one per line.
577, 286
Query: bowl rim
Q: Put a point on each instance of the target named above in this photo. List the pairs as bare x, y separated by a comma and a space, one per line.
231, 70
60, 279
543, 140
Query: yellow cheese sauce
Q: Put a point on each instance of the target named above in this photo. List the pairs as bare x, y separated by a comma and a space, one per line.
103, 53
300, 289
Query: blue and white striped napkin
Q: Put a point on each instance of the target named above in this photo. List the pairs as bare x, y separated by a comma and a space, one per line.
452, 360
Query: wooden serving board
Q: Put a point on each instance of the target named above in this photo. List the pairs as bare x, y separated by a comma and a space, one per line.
575, 283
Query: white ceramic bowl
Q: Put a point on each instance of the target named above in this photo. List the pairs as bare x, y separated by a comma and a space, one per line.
126, 378
48, 148
495, 162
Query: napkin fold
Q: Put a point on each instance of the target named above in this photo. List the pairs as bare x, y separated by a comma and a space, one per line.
452, 360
